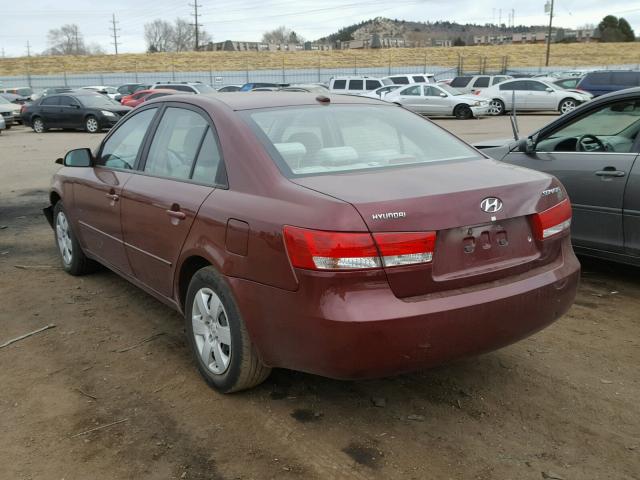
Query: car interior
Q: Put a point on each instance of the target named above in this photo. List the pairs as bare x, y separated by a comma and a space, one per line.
611, 128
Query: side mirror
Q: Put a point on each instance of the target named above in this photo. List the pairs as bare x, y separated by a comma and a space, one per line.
525, 145
443, 95
80, 157
549, 89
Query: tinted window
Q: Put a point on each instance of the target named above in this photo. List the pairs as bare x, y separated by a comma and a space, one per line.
121, 149
536, 86
354, 137
68, 101
97, 101
339, 84
598, 78
497, 80
568, 83
432, 92
372, 84
400, 80
481, 82
517, 85
415, 90
418, 79
175, 143
627, 79
50, 101
460, 82
208, 160
356, 84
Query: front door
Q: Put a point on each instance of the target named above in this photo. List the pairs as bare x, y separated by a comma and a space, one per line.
71, 115
160, 203
98, 193
411, 98
593, 157
539, 98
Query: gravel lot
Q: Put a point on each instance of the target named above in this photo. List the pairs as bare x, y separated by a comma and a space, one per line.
562, 404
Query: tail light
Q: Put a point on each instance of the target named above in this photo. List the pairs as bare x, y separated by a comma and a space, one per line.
22, 108
552, 221
321, 250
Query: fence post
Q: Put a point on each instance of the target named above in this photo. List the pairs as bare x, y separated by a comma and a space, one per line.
389, 70
173, 70
355, 65
135, 67
210, 74
319, 68
283, 73
65, 77
425, 62
247, 71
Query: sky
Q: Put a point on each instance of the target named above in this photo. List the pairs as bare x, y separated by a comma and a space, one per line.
246, 20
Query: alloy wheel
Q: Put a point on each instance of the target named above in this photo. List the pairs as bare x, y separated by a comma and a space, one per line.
64, 238
495, 107
211, 331
38, 126
567, 106
92, 125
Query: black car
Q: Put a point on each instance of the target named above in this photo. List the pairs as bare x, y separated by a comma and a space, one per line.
89, 111
594, 151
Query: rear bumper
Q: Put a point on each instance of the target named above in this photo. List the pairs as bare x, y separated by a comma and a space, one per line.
362, 330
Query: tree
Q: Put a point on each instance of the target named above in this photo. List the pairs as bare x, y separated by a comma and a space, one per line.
158, 35
281, 35
613, 29
184, 36
459, 42
66, 40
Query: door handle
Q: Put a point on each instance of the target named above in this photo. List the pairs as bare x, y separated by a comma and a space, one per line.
610, 173
112, 196
176, 214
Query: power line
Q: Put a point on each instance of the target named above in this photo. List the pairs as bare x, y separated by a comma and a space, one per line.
115, 30
195, 24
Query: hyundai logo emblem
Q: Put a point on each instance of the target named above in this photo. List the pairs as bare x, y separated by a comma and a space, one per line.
491, 205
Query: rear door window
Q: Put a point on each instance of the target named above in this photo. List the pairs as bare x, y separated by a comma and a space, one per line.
206, 167
175, 143
516, 85
400, 80
68, 102
356, 84
339, 84
50, 101
372, 84
459, 82
481, 82
418, 79
414, 91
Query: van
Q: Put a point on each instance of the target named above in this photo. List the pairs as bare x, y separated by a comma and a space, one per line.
603, 81
353, 85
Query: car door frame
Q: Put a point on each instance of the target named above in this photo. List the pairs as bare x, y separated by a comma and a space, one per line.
50, 113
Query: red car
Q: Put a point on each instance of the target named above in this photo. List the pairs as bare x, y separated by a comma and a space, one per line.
142, 96
336, 235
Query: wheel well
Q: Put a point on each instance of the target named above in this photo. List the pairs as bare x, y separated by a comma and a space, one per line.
190, 266
54, 198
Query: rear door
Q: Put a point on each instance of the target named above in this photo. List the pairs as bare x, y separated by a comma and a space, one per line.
595, 180
161, 201
71, 113
539, 98
356, 86
518, 90
50, 111
435, 103
412, 98
97, 193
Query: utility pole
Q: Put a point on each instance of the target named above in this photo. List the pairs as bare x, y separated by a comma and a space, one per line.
28, 63
115, 31
549, 7
196, 15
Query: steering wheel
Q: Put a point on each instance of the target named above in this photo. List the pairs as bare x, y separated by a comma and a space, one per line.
595, 145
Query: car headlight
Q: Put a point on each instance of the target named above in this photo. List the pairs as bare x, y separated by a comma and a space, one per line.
107, 113
476, 104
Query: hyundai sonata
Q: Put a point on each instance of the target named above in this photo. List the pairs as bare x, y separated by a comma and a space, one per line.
336, 235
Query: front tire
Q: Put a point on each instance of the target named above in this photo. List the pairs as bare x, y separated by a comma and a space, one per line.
74, 261
217, 336
567, 105
463, 112
496, 107
91, 124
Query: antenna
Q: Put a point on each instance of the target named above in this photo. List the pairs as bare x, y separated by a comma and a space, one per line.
115, 31
196, 15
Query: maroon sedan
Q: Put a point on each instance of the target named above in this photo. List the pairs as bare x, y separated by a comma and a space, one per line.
337, 235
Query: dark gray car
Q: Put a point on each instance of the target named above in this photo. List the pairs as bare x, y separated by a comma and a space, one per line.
594, 152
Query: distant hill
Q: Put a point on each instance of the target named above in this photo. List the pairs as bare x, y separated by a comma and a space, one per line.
422, 33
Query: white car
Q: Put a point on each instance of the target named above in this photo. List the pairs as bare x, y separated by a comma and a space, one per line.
406, 79
14, 107
381, 92
439, 100
111, 92
2, 124
531, 94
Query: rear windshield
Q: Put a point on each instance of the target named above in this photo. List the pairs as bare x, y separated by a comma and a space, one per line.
313, 140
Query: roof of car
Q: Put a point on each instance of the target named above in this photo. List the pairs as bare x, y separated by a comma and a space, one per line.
249, 101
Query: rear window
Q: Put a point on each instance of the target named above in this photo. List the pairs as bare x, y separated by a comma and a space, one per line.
339, 84
459, 82
418, 79
400, 80
598, 78
316, 140
372, 84
481, 82
628, 79
356, 84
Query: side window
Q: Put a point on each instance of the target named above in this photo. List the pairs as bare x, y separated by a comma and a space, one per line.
50, 101
615, 125
372, 84
497, 80
68, 101
536, 86
175, 143
627, 79
431, 92
121, 149
518, 85
208, 160
339, 84
356, 84
598, 78
418, 79
400, 80
416, 91
460, 82
481, 82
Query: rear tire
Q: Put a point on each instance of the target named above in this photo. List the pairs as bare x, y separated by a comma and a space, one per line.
496, 107
91, 124
38, 125
463, 112
8, 126
217, 336
74, 261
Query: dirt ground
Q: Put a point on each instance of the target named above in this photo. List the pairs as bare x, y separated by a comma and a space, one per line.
562, 404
